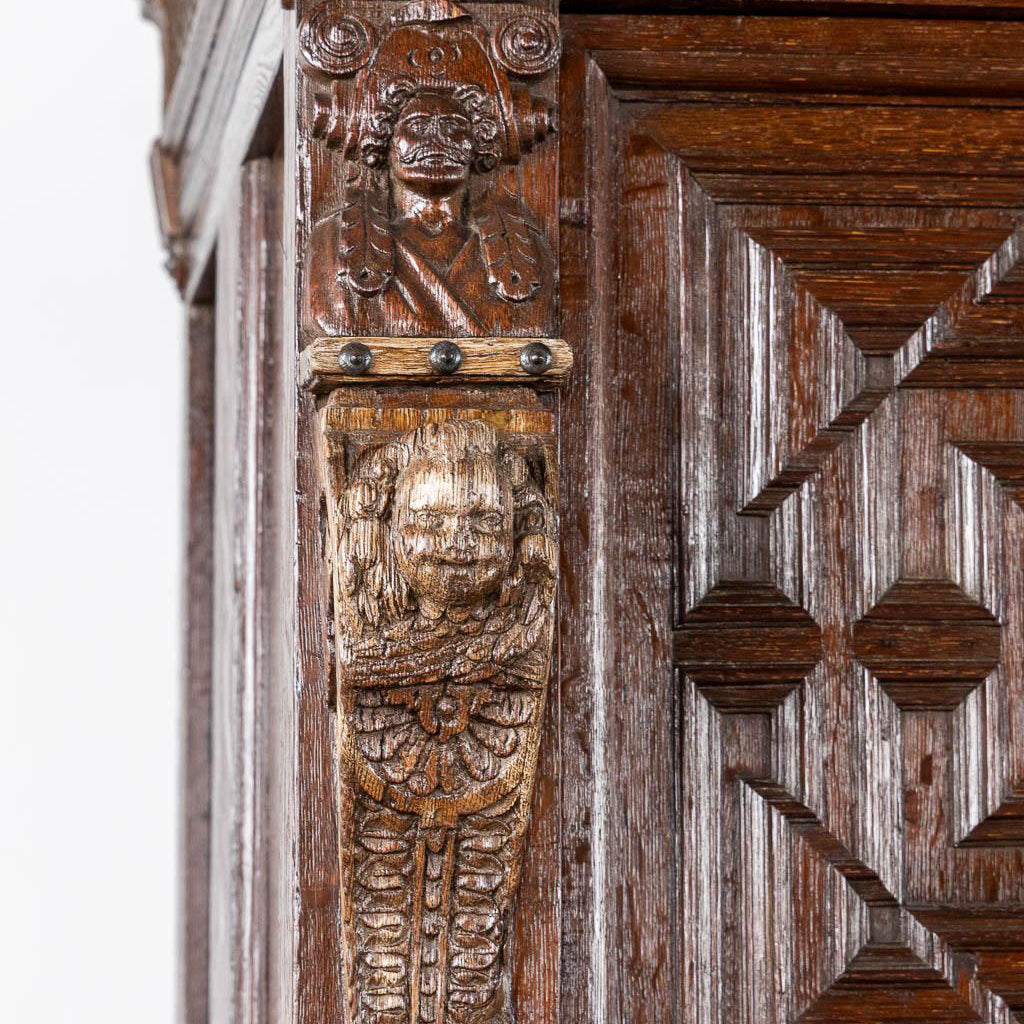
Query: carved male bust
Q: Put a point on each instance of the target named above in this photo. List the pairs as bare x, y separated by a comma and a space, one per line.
426, 241
445, 571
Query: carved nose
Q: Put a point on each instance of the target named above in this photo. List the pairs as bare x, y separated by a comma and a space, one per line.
459, 540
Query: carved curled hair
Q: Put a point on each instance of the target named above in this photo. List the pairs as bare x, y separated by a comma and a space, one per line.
371, 583
477, 105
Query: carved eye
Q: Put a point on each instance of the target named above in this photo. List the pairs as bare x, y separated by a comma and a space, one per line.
489, 522
427, 519
417, 124
453, 125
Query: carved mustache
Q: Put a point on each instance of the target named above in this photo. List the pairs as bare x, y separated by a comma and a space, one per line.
434, 150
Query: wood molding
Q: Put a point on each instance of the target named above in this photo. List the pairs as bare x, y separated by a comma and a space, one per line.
407, 360
230, 60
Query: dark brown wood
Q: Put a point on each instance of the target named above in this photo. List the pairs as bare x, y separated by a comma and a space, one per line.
247, 720
903, 61
194, 926
618, 709
829, 260
1009, 9
430, 184
781, 771
381, 253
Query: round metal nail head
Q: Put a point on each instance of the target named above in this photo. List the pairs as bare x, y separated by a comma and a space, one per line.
446, 357
536, 358
355, 359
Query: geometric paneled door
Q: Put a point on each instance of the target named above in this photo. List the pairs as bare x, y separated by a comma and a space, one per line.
808, 238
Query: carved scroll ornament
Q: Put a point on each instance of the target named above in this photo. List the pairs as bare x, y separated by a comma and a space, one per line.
444, 562
430, 238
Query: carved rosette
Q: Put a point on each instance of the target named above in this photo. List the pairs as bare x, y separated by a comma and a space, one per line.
443, 548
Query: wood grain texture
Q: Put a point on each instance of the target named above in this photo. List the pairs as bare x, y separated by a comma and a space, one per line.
174, 18
586, 184
847, 633
243, 833
407, 361
618, 707
898, 59
194, 912
430, 187
317, 188
229, 63
780, 776
858, 9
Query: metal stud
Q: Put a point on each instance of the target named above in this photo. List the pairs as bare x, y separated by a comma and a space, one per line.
355, 359
536, 358
446, 357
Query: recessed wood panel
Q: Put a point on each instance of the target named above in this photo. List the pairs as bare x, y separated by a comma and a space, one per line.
832, 260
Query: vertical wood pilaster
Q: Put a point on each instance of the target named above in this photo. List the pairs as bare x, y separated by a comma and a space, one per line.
421, 170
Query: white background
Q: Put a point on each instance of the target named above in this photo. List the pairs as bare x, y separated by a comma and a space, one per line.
91, 373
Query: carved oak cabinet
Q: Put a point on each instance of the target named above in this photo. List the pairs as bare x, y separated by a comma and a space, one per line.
605, 579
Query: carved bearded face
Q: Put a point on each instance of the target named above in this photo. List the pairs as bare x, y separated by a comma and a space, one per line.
453, 529
432, 146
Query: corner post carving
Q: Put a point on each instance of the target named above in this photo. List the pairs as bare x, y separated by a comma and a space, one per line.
425, 116
443, 536
431, 200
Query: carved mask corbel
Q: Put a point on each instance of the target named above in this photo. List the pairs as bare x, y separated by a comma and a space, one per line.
443, 542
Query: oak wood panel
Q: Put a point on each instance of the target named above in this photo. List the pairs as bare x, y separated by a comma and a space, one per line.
871, 140
587, 185
1008, 9
902, 61
243, 833
844, 263
318, 992
620, 903
194, 913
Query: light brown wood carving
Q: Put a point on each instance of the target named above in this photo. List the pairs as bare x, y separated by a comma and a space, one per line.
443, 548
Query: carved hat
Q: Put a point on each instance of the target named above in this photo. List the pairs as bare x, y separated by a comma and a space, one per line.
430, 45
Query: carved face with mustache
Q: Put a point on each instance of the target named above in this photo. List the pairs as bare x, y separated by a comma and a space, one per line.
453, 528
432, 145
